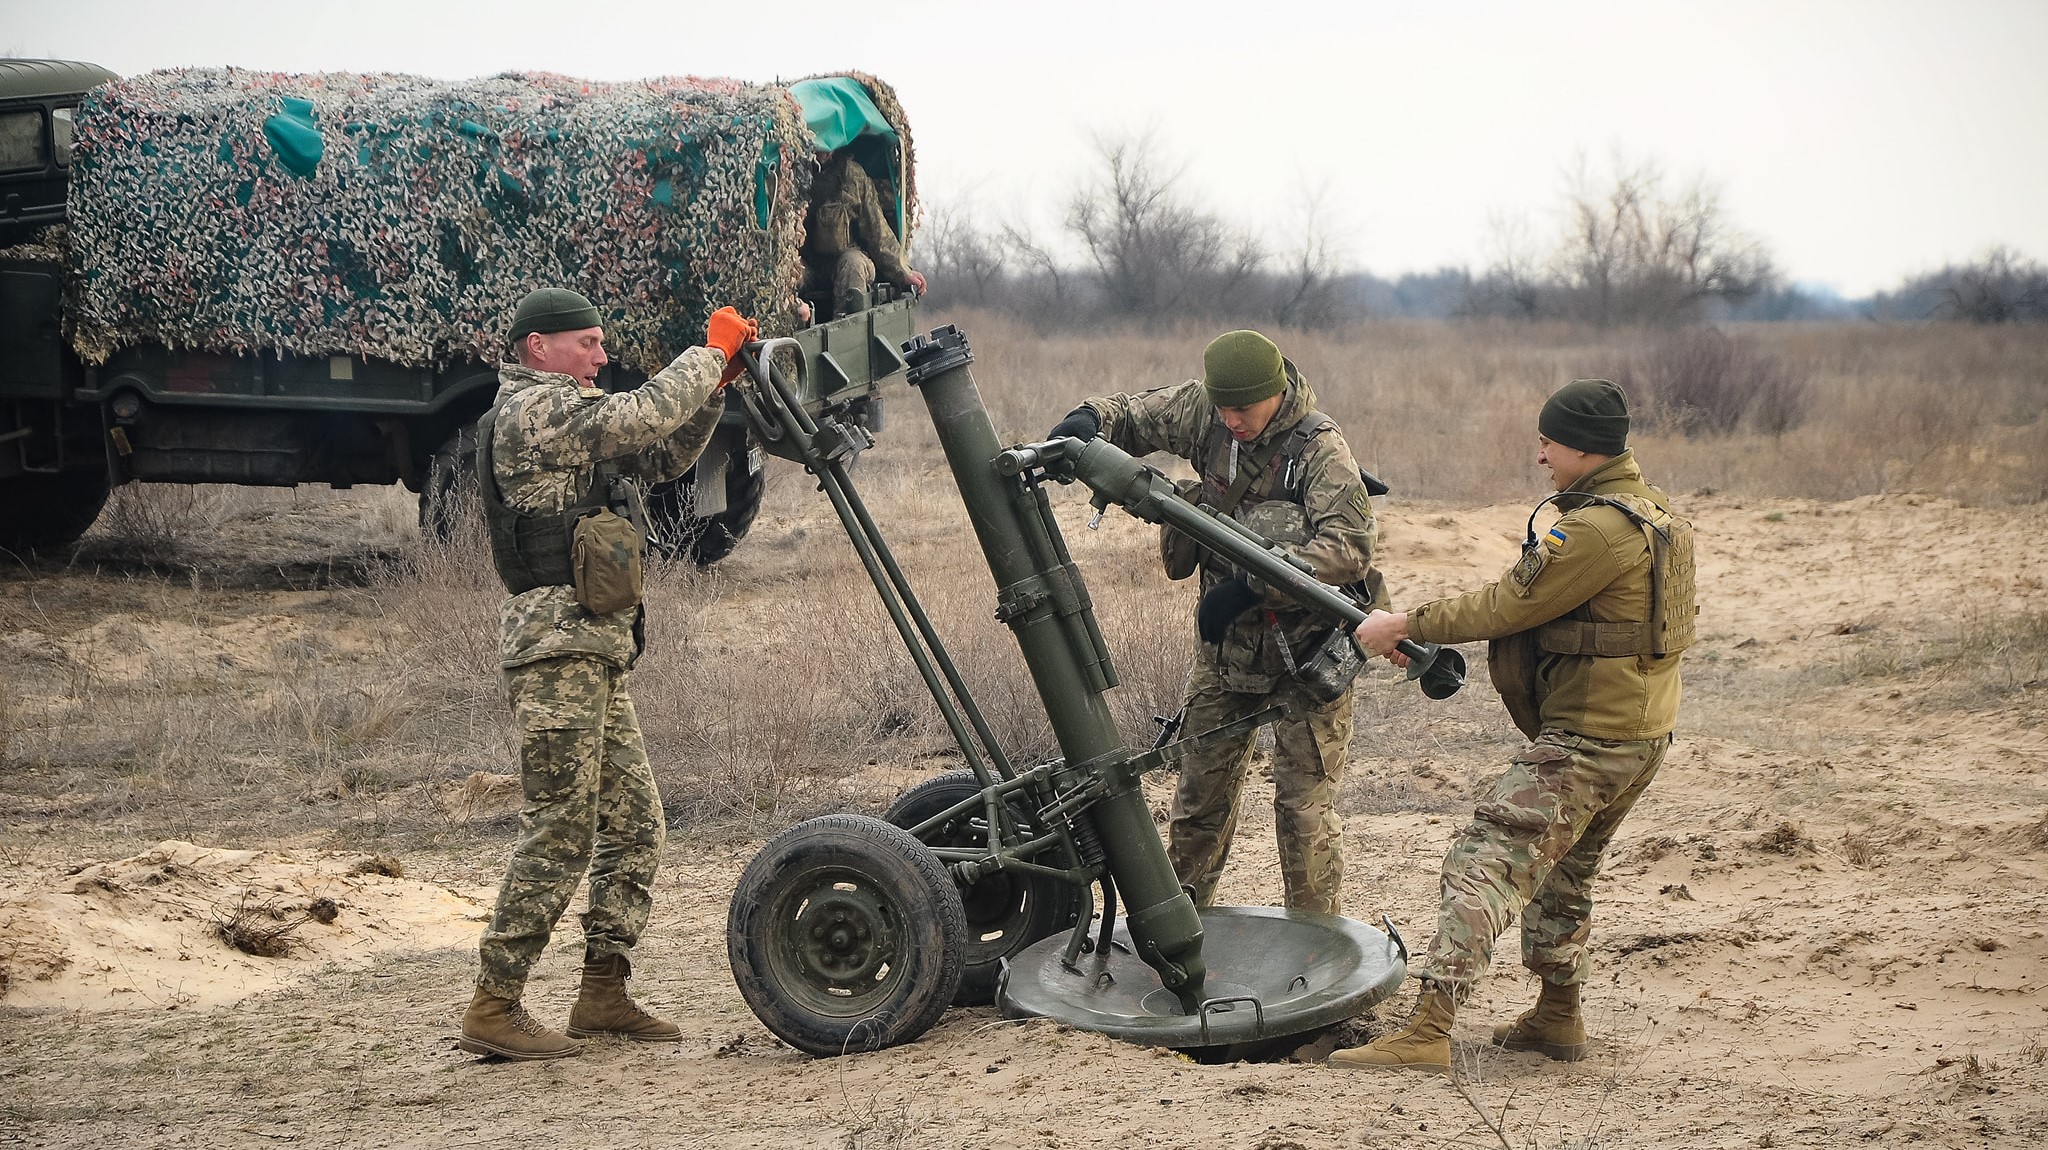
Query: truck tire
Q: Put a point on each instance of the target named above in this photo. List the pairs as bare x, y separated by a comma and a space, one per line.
845, 934
38, 511
1006, 911
448, 495
708, 539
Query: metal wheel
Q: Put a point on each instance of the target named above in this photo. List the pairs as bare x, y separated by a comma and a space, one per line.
845, 934
1006, 912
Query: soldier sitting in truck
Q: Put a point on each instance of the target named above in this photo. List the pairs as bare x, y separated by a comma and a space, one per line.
848, 243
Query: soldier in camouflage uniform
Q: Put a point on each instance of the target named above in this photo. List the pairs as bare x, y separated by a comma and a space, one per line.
559, 448
1588, 628
847, 238
1262, 451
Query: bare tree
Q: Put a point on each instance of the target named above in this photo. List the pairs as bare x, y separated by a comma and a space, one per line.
2002, 286
963, 263
1306, 290
1633, 253
1155, 255
1513, 280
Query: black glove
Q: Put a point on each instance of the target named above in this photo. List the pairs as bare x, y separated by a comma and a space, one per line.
1081, 423
1221, 605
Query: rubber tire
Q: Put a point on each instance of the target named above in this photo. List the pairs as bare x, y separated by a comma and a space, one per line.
1018, 909
39, 511
448, 490
886, 883
706, 541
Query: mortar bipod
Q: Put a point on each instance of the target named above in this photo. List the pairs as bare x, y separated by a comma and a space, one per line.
826, 449
1011, 850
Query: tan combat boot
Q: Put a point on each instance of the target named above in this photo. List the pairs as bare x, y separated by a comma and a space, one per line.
501, 1026
1553, 1026
603, 1007
1424, 1044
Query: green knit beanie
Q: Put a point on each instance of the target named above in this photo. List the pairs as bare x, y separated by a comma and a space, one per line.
1590, 415
549, 310
1240, 368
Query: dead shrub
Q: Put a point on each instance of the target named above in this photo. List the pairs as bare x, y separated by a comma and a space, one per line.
263, 929
1787, 838
1699, 381
154, 520
1860, 851
379, 864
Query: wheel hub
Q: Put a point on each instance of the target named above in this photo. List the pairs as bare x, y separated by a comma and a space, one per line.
842, 936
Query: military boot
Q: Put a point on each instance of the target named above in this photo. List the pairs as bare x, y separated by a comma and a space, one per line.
1553, 1026
603, 1007
501, 1026
1424, 1044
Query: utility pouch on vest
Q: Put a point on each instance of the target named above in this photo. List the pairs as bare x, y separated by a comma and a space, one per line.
1511, 664
1179, 554
605, 562
1330, 668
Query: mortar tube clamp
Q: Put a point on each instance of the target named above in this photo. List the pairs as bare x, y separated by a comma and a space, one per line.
941, 351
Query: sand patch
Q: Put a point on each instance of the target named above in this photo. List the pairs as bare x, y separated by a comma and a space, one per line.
145, 932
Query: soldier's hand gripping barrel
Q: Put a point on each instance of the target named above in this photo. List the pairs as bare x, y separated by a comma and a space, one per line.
1041, 597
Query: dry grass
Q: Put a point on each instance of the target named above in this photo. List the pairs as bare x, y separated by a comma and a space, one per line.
760, 709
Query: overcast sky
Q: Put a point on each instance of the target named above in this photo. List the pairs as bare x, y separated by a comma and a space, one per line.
1861, 141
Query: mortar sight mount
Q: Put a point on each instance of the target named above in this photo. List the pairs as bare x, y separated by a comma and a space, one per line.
853, 933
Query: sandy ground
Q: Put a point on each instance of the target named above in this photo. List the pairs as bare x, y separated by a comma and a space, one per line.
1824, 926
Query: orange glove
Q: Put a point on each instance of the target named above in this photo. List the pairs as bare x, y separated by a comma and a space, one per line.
728, 330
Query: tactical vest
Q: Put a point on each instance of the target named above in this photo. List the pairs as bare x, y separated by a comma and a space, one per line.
1673, 605
1287, 453
1512, 659
534, 549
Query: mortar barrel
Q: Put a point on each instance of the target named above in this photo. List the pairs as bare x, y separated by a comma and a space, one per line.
1018, 539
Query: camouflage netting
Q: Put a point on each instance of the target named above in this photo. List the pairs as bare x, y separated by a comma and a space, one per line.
397, 218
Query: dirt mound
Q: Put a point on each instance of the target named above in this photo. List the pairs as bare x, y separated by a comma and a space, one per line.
184, 925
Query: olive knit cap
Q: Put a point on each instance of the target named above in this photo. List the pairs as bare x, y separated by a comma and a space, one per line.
549, 310
1590, 415
1240, 368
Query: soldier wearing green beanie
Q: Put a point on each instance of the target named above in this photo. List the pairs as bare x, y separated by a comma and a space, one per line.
1266, 457
1585, 633
559, 464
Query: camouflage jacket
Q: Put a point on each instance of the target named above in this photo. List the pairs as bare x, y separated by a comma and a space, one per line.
1592, 564
550, 435
1340, 530
846, 212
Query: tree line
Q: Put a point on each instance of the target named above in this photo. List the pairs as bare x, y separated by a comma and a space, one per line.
1632, 248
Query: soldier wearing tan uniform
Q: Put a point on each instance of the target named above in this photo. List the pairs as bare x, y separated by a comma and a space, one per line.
559, 460
848, 242
1266, 456
1588, 628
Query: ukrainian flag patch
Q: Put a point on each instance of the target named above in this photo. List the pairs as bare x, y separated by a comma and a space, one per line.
1555, 538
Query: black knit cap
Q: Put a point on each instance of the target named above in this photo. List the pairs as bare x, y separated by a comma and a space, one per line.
1590, 415
549, 310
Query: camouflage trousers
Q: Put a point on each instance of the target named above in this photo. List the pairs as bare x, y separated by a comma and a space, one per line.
1534, 847
590, 804
1308, 763
846, 277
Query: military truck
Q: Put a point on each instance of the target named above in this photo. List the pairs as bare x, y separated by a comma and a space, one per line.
224, 276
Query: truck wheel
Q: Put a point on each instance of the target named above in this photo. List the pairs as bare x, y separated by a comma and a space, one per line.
708, 539
1006, 912
448, 495
49, 510
845, 934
